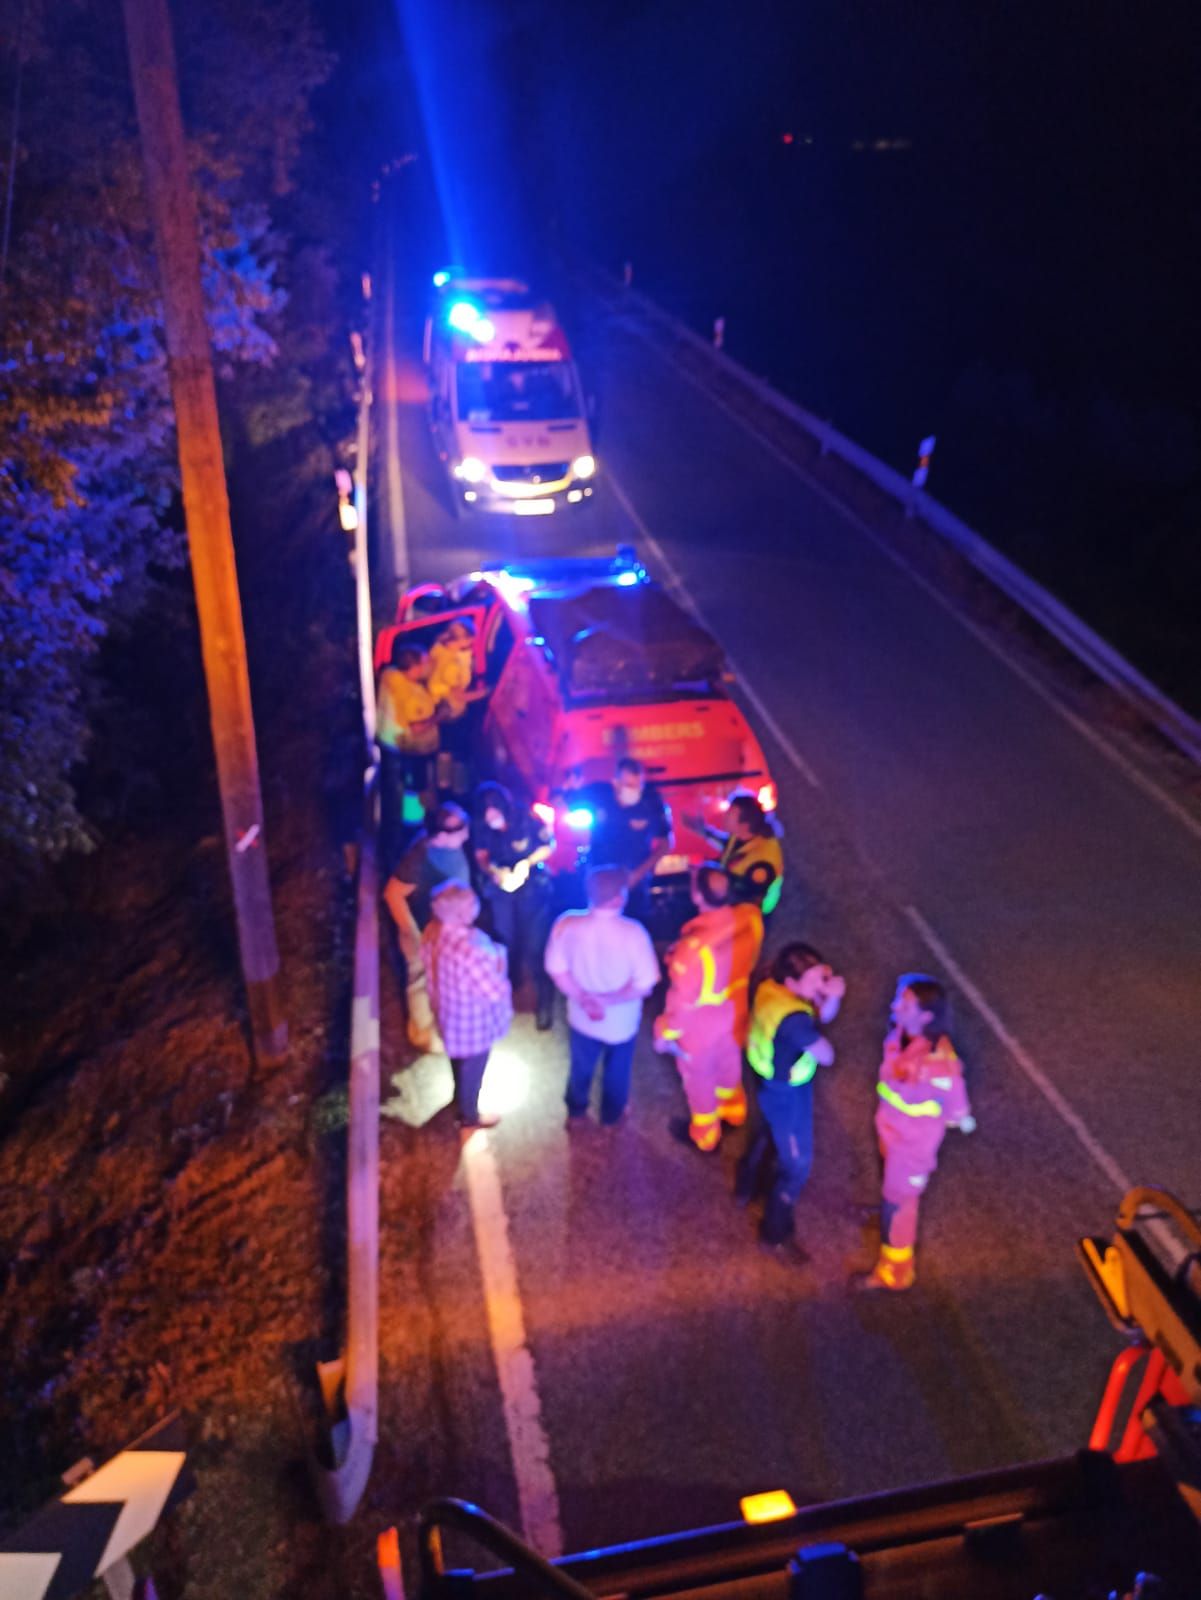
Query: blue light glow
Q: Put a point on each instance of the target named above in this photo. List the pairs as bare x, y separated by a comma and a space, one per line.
463, 316
441, 279
580, 818
627, 579
482, 330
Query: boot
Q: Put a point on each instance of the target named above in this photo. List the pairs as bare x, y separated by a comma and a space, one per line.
893, 1272
731, 1106
745, 1184
701, 1134
779, 1223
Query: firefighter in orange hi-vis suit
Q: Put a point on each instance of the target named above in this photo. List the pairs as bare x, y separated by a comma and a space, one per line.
920, 1094
704, 1021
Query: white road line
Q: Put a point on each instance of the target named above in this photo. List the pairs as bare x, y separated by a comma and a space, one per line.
1013, 1046
1141, 781
537, 1494
676, 583
1095, 1149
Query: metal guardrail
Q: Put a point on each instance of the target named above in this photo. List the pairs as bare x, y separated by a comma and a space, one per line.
1153, 705
350, 1385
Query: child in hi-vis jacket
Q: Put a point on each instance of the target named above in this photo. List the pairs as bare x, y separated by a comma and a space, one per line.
920, 1094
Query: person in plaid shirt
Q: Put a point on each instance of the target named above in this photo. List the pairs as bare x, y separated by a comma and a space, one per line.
468, 976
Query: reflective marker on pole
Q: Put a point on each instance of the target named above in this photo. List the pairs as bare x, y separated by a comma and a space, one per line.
924, 452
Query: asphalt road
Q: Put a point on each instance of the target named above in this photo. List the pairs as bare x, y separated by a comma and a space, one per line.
941, 814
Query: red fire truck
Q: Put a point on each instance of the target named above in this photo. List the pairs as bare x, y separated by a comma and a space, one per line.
588, 661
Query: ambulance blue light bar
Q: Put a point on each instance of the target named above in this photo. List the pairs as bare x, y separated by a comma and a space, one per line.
463, 316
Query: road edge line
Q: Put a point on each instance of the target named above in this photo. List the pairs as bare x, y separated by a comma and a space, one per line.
529, 1446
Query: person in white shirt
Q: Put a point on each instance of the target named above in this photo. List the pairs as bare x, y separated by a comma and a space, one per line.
606, 965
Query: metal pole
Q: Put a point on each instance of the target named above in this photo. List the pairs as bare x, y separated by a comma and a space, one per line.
206, 511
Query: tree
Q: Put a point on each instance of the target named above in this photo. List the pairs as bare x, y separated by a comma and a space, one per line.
88, 476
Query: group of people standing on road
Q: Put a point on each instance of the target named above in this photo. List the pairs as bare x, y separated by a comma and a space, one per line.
462, 871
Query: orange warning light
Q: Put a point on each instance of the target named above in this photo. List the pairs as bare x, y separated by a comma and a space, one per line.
772, 1506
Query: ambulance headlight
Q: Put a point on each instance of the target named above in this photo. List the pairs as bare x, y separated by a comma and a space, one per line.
583, 467
471, 470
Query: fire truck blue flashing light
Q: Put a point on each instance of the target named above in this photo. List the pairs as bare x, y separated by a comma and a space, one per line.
482, 330
580, 818
441, 279
627, 579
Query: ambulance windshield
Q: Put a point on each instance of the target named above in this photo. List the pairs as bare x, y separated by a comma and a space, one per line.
512, 391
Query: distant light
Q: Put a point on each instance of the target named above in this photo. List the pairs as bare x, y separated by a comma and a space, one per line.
575, 495
471, 470
580, 818
583, 466
441, 279
627, 579
787, 138
470, 496
463, 316
482, 330
773, 1506
769, 797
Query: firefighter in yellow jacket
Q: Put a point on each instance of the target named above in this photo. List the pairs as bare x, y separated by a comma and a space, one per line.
704, 1021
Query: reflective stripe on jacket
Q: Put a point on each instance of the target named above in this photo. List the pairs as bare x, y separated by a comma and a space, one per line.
920, 1091
773, 1004
709, 971
757, 867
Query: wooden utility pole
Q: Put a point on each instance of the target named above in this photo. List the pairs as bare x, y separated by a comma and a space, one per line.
206, 510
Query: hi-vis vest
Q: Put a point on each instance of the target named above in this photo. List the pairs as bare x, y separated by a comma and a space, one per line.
774, 1003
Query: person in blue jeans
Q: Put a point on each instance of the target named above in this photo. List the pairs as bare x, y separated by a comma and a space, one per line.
605, 963
785, 1047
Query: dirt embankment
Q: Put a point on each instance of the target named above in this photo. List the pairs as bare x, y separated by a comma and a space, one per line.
170, 1213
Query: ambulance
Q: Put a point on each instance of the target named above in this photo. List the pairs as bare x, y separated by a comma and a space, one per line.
507, 413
